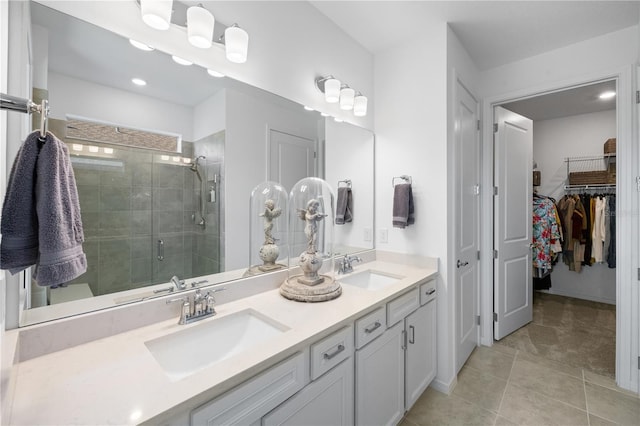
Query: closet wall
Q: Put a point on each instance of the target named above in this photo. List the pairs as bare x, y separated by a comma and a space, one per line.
553, 141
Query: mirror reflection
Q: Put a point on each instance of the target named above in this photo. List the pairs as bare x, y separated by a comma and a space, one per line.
165, 169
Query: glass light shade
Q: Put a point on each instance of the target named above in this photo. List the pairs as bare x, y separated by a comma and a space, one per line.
156, 13
200, 23
236, 42
346, 98
360, 106
332, 90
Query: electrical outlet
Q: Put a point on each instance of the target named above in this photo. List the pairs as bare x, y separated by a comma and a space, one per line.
384, 235
368, 234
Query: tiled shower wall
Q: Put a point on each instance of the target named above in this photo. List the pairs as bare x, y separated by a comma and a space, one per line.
133, 198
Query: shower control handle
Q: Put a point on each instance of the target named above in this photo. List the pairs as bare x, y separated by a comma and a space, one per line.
160, 250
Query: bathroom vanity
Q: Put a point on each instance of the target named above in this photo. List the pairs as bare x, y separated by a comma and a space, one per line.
361, 358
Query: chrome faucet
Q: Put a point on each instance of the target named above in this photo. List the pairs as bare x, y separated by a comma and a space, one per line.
345, 264
178, 283
200, 307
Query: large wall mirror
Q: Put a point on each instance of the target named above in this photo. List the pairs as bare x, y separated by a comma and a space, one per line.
165, 170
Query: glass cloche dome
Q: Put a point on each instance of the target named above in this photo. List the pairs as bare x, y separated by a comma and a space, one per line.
311, 221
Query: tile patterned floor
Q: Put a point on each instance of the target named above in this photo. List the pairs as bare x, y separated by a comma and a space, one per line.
544, 375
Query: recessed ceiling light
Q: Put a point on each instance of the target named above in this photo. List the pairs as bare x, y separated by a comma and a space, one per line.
607, 95
140, 45
213, 73
308, 108
138, 82
181, 61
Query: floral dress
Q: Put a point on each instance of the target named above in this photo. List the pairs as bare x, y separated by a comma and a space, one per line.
546, 233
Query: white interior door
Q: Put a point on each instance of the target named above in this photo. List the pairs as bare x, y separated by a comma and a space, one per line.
513, 167
467, 155
291, 158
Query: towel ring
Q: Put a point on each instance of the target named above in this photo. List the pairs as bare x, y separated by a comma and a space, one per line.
346, 182
404, 178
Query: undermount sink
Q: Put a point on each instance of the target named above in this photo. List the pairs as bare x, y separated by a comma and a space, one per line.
195, 347
370, 280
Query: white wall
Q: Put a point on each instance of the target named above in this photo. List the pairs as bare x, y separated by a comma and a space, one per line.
210, 116
245, 162
349, 155
599, 54
553, 141
411, 139
105, 103
575, 136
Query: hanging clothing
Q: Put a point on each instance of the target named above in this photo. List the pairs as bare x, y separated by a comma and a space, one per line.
611, 257
599, 231
587, 226
575, 223
546, 234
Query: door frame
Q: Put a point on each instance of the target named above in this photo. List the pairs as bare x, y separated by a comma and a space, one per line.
627, 291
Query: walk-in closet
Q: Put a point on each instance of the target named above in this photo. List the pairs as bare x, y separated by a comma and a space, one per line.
574, 246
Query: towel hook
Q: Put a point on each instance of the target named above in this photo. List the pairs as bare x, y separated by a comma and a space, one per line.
404, 178
347, 183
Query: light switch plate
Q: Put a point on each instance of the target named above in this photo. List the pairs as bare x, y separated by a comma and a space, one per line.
384, 235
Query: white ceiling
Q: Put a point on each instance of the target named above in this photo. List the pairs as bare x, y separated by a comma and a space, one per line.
493, 32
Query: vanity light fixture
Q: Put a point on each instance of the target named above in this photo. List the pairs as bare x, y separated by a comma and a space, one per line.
141, 46
214, 73
181, 61
200, 27
138, 82
336, 91
607, 95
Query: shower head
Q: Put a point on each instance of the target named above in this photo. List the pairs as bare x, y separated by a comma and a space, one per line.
194, 162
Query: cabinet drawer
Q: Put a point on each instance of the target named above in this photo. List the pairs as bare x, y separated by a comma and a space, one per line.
370, 326
402, 306
331, 351
427, 291
254, 398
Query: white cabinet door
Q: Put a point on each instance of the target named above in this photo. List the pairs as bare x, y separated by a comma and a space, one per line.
380, 379
326, 401
420, 367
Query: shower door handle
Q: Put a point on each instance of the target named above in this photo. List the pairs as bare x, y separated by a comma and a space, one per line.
160, 250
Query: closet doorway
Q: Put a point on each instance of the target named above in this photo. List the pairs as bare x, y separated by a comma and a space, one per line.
574, 297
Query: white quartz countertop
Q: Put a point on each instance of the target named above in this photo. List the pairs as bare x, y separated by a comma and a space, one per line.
116, 380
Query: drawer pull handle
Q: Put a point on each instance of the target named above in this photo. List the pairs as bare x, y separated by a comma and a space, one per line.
431, 291
412, 339
373, 328
339, 349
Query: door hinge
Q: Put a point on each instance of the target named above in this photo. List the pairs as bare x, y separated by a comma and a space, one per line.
478, 125
476, 189
478, 320
478, 257
495, 190
495, 127
639, 363
638, 274
638, 96
495, 254
495, 317
638, 183
315, 154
